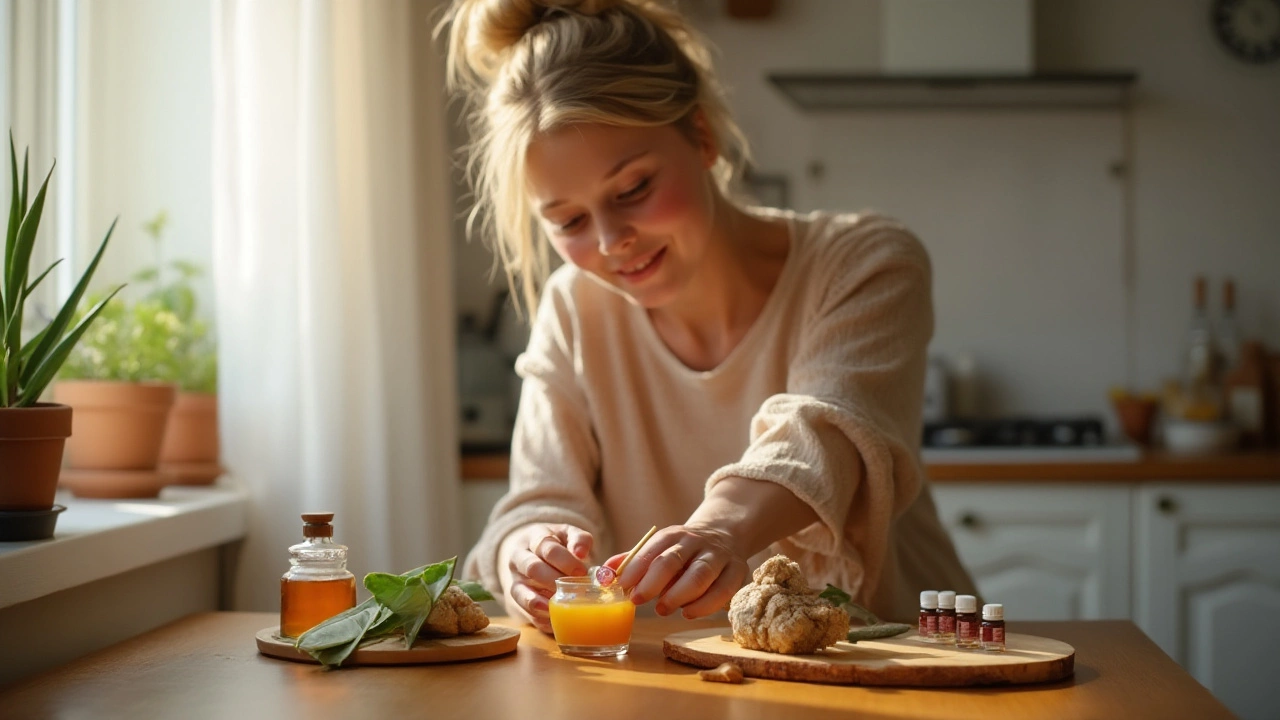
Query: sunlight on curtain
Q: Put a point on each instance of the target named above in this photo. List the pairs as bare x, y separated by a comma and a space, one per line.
332, 257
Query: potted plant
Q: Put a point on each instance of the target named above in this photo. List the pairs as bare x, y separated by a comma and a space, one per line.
190, 451
32, 433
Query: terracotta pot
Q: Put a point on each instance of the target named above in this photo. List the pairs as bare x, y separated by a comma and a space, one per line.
31, 443
192, 433
117, 425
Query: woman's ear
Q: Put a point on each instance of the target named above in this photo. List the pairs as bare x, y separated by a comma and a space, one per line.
705, 139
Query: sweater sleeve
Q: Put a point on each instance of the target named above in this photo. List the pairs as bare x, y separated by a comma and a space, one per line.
555, 458
844, 437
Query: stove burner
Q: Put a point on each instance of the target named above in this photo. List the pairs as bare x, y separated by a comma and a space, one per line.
1015, 432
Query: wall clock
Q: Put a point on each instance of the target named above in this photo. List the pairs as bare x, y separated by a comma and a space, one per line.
1249, 29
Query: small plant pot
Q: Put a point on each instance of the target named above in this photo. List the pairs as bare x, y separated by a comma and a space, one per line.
20, 525
191, 436
31, 445
117, 425
115, 484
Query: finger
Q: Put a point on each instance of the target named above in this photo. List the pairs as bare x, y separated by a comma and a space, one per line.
639, 565
693, 582
534, 570
717, 597
554, 553
662, 571
615, 561
578, 541
531, 601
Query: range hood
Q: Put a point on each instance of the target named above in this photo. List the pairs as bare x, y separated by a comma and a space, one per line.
955, 54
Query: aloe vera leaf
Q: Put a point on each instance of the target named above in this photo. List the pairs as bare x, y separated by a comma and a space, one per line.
15, 213
474, 590
45, 368
64, 317
871, 632
835, 595
20, 260
34, 283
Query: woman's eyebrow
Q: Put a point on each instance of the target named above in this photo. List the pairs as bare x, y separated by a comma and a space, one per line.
616, 169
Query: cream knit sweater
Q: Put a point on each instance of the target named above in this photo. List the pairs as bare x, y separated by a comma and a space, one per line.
823, 396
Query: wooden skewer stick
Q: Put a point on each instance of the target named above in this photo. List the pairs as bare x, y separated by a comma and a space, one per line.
623, 565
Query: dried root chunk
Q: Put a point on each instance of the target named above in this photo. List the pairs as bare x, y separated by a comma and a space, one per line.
456, 614
725, 673
777, 612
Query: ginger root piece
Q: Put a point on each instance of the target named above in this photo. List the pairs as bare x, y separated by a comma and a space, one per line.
777, 612
456, 614
724, 672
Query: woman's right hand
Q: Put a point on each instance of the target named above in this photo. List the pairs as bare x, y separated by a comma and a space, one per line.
542, 554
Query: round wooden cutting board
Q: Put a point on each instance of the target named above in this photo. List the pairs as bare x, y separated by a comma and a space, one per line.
903, 660
491, 641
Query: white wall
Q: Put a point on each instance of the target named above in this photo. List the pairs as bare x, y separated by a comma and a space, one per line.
1207, 184
145, 132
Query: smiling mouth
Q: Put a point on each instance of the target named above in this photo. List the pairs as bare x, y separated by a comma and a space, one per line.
642, 266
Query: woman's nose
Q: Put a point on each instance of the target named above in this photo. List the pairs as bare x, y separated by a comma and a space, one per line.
615, 236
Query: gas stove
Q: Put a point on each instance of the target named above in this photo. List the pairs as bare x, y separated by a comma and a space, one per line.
1082, 431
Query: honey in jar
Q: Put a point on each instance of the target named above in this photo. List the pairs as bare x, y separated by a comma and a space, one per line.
318, 585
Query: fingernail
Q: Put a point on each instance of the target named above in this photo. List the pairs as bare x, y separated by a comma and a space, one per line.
661, 610
639, 599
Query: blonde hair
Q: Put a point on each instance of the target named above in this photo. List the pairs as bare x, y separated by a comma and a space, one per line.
529, 66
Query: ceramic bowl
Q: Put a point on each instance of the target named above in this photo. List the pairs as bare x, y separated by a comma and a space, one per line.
1192, 437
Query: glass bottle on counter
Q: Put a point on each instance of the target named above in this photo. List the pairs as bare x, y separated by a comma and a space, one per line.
1201, 359
1228, 334
928, 615
967, 622
946, 617
993, 627
317, 585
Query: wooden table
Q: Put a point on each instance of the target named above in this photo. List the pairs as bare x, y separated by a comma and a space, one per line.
206, 666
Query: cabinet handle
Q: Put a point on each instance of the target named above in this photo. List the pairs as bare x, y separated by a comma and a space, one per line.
1167, 505
969, 520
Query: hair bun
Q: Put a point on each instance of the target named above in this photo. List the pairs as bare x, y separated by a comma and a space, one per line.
482, 31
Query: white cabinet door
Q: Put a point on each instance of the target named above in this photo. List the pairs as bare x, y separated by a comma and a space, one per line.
1208, 586
1047, 552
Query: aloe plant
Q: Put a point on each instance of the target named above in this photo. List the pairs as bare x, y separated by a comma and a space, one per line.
27, 368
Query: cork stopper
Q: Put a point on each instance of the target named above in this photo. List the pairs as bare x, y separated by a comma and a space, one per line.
317, 525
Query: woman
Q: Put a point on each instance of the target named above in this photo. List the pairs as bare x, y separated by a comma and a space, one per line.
749, 380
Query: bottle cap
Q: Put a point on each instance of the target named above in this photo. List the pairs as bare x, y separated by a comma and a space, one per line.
317, 525
993, 611
947, 599
929, 599
966, 603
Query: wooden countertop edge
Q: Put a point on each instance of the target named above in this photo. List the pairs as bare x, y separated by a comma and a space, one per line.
1155, 466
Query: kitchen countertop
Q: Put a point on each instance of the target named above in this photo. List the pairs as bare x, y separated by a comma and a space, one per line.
1152, 465
207, 666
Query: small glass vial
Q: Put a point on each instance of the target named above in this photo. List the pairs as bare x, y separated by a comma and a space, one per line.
929, 615
318, 585
947, 617
993, 628
967, 622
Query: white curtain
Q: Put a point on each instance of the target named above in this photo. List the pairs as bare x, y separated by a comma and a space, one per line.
332, 269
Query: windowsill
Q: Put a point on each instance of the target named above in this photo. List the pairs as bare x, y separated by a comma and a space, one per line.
96, 539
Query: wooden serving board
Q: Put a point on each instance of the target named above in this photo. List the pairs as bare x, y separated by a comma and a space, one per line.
491, 641
903, 660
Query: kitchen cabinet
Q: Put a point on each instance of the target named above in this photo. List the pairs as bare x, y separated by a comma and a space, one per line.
1048, 552
1208, 585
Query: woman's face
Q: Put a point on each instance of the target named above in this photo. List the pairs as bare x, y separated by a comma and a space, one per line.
631, 206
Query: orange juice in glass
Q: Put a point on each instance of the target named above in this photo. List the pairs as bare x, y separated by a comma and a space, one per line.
591, 620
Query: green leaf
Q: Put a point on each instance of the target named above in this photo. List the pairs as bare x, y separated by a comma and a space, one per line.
881, 630
407, 597
35, 380
835, 595
64, 317
11, 235
474, 590
32, 285
145, 275
352, 629
20, 260
439, 576
316, 637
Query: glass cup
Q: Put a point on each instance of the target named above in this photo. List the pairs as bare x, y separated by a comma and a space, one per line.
591, 620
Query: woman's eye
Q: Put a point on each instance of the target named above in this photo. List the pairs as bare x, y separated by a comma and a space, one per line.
635, 191
573, 223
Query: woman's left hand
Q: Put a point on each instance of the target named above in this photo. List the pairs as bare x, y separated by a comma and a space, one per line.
694, 569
